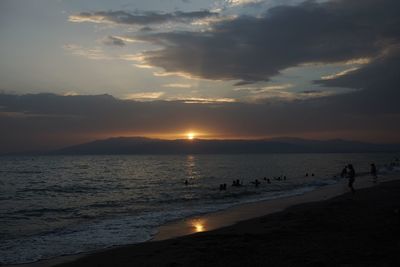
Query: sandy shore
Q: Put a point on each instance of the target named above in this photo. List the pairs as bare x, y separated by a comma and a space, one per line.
348, 230
215, 220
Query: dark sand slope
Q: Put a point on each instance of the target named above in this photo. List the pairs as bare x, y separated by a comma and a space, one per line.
360, 230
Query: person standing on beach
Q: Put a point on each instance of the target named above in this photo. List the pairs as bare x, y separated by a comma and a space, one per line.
351, 175
374, 173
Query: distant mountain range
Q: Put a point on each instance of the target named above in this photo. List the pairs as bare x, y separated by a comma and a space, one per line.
140, 145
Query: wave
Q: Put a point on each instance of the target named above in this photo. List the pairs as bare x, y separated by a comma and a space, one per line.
76, 189
21, 172
41, 212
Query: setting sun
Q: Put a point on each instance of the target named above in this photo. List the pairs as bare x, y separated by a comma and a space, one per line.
191, 136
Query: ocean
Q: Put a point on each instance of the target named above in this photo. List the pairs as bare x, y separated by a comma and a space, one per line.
60, 205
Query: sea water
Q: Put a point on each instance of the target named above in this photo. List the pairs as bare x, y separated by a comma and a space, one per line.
59, 205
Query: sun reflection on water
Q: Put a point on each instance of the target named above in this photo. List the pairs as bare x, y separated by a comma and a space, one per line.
198, 225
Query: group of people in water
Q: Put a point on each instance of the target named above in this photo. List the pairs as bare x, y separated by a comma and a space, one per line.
256, 182
347, 172
238, 183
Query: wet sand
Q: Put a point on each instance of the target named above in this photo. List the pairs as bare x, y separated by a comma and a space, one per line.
348, 230
223, 218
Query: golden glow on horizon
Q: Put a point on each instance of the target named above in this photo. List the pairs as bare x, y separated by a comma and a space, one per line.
198, 133
190, 135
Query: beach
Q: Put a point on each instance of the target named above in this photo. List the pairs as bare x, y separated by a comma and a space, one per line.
199, 133
347, 230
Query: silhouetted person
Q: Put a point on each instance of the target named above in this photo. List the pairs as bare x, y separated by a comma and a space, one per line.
236, 182
186, 182
265, 178
351, 175
374, 173
343, 174
284, 178
312, 174
256, 183
307, 174
268, 180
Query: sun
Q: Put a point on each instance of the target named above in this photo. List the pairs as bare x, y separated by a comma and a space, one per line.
190, 136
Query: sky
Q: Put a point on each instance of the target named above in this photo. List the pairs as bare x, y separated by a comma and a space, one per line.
73, 71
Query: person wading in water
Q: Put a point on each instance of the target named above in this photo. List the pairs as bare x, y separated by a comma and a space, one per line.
351, 174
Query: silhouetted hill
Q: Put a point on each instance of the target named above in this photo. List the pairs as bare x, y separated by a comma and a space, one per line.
140, 145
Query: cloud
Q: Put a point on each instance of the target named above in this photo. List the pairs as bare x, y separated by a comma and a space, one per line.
264, 4
252, 49
378, 84
146, 29
339, 74
138, 60
145, 96
242, 2
26, 115
114, 41
276, 87
70, 93
95, 53
311, 92
178, 85
202, 100
268, 92
280, 93
145, 18
119, 40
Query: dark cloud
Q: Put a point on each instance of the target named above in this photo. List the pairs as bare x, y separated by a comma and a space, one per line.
252, 49
146, 29
36, 122
379, 84
312, 91
146, 18
114, 40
